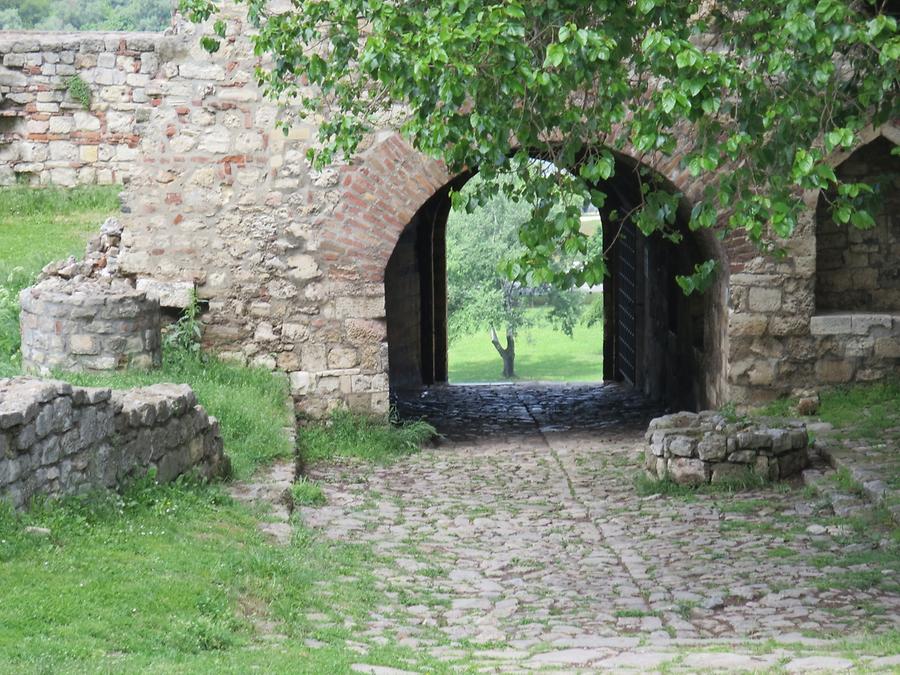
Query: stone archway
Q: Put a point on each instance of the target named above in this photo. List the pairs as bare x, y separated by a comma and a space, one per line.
657, 340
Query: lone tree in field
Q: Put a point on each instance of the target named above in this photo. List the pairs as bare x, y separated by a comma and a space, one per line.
762, 92
480, 297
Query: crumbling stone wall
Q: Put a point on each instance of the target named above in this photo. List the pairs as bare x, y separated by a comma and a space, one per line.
56, 439
47, 135
290, 261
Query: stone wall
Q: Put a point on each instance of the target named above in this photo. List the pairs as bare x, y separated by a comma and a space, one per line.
290, 261
88, 325
857, 270
779, 342
56, 439
856, 347
47, 135
693, 449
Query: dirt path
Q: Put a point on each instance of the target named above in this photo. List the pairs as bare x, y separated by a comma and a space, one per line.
536, 551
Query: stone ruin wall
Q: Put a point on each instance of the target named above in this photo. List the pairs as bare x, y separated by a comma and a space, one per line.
46, 135
290, 261
56, 439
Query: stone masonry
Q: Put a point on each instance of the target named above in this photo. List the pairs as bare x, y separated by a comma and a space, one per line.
56, 439
88, 325
46, 135
290, 261
692, 449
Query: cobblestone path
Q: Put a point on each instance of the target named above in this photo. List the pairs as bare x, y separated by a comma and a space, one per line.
536, 551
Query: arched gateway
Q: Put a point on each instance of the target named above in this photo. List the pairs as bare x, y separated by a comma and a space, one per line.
291, 262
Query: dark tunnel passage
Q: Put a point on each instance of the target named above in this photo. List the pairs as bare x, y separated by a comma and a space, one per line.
660, 347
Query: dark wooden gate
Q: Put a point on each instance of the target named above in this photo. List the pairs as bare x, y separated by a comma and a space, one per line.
626, 303
620, 297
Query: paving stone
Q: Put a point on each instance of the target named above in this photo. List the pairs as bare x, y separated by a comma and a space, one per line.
818, 663
537, 546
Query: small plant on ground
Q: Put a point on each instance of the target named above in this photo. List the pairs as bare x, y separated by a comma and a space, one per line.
348, 434
305, 492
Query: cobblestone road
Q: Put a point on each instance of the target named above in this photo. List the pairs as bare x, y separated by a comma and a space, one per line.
536, 551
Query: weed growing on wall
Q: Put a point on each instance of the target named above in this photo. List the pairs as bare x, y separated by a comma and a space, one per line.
185, 334
79, 91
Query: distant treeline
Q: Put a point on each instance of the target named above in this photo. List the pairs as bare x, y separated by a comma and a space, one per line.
150, 15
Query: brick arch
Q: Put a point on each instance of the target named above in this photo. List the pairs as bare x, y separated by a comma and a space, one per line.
380, 192
386, 185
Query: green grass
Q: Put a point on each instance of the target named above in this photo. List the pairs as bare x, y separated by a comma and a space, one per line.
37, 227
541, 354
307, 493
176, 579
348, 434
863, 410
646, 486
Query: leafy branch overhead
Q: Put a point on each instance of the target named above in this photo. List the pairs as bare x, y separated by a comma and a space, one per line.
753, 97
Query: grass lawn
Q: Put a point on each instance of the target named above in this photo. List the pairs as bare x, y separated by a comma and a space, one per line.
542, 353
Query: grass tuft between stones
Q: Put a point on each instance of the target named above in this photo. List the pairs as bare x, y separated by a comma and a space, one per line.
646, 486
305, 492
348, 434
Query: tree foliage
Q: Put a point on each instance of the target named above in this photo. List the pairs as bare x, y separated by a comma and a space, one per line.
479, 296
761, 92
82, 15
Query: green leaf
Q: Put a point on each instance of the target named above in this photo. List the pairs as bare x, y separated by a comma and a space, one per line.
862, 220
556, 53
700, 280
686, 58
211, 45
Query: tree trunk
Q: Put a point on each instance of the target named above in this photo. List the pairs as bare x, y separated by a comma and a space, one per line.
508, 354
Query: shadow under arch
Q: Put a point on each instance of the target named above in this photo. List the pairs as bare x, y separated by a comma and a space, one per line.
658, 341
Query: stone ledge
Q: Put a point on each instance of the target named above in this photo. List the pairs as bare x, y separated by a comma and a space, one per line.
853, 323
697, 448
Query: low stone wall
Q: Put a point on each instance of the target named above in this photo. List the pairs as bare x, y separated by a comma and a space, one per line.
697, 448
88, 325
56, 439
856, 347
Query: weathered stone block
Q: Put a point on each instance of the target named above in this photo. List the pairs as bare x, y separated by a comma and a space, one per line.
834, 372
712, 447
862, 324
765, 299
724, 472
831, 324
681, 446
887, 347
687, 471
